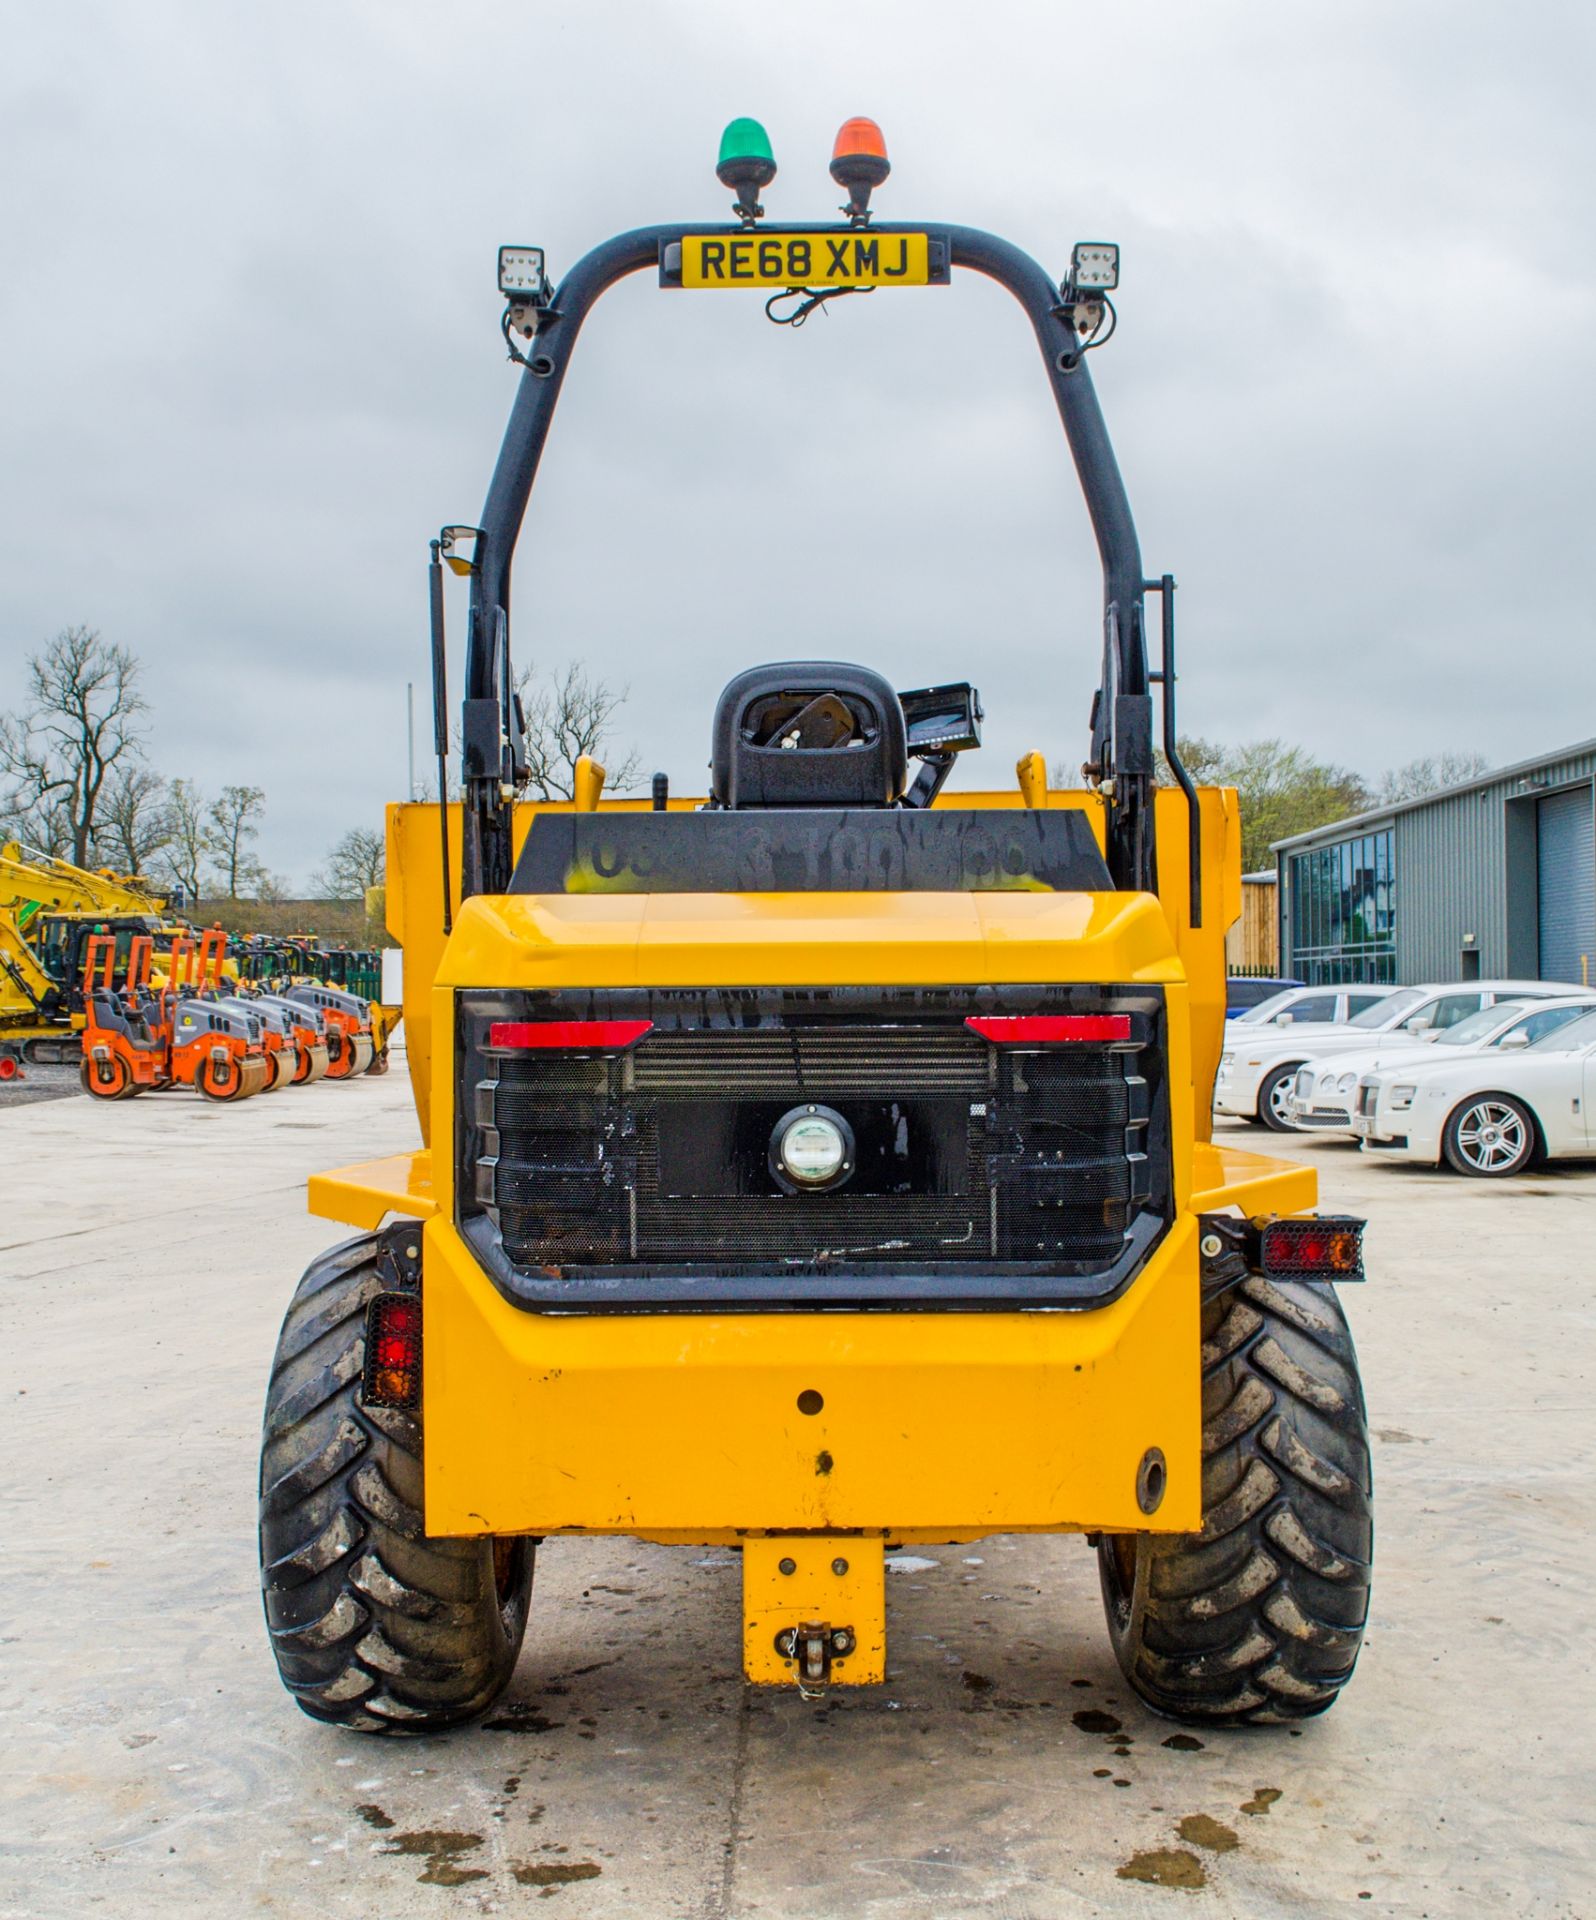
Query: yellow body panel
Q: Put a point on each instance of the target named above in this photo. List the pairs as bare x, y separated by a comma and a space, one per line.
946, 1423
835, 1581
364, 1195
934, 1426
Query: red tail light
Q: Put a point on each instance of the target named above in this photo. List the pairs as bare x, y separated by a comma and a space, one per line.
393, 1351
1047, 1029
589, 1036
1327, 1249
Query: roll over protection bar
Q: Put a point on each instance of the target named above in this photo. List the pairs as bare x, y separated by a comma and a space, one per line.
1122, 736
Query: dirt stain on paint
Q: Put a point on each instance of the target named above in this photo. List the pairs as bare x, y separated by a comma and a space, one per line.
1202, 1831
442, 1846
823, 1464
1184, 1743
1165, 1867
1094, 1720
1262, 1800
374, 1816
975, 1682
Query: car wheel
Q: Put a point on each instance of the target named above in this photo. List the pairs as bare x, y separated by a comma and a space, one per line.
1273, 1096
1490, 1136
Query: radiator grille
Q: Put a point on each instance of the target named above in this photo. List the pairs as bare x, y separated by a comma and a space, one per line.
658, 1158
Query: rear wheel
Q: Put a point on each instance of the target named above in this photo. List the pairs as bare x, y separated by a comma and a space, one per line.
1258, 1617
341, 1056
1490, 1136
107, 1079
374, 1626
1272, 1098
222, 1079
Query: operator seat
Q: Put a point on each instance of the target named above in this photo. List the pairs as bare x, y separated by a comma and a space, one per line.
808, 733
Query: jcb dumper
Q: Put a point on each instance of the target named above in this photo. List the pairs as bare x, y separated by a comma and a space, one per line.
812, 1169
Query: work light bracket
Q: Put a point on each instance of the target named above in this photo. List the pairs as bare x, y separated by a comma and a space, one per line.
524, 282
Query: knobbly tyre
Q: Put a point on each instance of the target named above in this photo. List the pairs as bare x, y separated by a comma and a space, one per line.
864, 1136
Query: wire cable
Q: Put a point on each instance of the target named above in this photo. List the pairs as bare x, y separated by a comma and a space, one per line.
808, 299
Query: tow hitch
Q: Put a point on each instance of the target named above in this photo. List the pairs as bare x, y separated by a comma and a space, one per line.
798, 1590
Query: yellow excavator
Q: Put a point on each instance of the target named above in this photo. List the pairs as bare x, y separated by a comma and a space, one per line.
49, 910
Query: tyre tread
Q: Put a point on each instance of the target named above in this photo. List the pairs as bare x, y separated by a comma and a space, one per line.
1259, 1616
375, 1627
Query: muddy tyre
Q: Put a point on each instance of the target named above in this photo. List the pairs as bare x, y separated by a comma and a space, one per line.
1259, 1617
374, 1626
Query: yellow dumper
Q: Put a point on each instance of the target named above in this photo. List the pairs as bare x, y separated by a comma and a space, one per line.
822, 1165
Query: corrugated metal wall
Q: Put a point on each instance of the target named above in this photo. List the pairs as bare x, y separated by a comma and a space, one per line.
1451, 859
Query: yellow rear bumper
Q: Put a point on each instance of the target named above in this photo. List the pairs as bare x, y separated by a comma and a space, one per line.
932, 1426
690, 1424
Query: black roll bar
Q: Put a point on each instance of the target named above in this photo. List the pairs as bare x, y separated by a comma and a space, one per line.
1122, 743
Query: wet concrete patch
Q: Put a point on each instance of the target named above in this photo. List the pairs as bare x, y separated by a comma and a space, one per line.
1202, 1830
521, 1720
552, 1874
1094, 1720
442, 1847
1262, 1800
1165, 1867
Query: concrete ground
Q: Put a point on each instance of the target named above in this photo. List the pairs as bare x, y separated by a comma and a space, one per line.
153, 1766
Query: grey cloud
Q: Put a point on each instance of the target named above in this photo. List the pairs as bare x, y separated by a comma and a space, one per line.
252, 362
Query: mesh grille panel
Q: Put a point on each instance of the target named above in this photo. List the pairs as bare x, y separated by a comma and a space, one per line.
962, 1151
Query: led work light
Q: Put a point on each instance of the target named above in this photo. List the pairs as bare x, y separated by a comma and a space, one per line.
524, 282
521, 273
811, 1148
1094, 266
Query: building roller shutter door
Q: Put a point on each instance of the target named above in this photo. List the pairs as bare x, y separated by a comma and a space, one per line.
1566, 836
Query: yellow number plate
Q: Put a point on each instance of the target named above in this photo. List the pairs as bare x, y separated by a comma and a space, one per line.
862, 259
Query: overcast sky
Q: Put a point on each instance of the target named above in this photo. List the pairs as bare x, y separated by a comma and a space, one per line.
251, 363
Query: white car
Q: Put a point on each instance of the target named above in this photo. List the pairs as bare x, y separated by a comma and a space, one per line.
1487, 1114
1324, 1095
1256, 1070
1293, 1005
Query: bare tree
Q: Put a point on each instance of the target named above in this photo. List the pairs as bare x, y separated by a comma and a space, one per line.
1430, 775
358, 861
183, 856
135, 821
80, 721
230, 823
566, 716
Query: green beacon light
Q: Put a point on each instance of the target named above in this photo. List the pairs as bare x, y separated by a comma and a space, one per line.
745, 165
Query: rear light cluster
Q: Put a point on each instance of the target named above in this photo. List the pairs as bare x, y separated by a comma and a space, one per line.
393, 1351
1047, 1029
1326, 1248
567, 1036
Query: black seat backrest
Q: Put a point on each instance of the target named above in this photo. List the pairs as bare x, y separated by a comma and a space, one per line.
808, 733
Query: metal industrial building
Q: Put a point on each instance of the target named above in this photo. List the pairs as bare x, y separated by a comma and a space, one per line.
1494, 878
